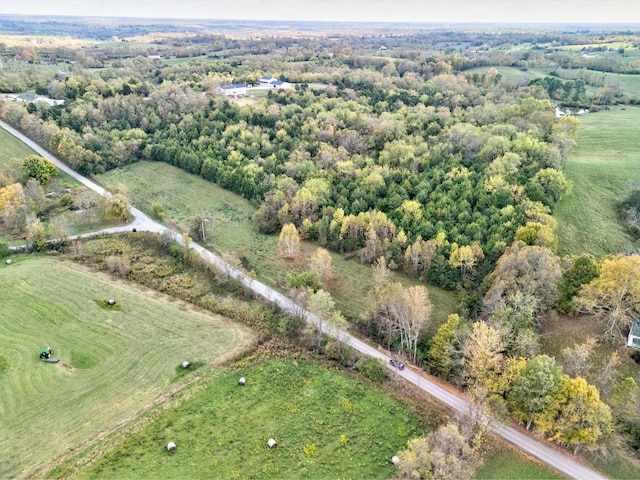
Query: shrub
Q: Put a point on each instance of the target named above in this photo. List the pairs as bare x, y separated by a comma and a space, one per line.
4, 248
372, 368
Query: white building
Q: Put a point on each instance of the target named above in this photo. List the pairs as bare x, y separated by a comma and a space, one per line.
272, 82
234, 89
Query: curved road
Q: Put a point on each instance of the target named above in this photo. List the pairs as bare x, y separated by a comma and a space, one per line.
550, 456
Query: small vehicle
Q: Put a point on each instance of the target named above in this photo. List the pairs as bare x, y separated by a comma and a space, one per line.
397, 364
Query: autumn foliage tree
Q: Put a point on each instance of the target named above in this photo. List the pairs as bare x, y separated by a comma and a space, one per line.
289, 241
614, 296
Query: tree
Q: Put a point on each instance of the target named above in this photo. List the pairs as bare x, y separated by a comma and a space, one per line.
419, 255
448, 453
583, 418
465, 257
536, 391
582, 271
483, 358
322, 307
289, 241
534, 233
416, 462
523, 269
321, 266
576, 360
553, 182
446, 352
615, 295
412, 313
36, 234
39, 168
117, 208
11, 199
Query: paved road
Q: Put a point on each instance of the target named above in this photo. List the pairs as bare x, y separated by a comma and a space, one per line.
554, 458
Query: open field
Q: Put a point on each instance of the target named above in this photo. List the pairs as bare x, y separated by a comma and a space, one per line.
183, 195
11, 147
347, 427
327, 424
114, 363
605, 167
510, 74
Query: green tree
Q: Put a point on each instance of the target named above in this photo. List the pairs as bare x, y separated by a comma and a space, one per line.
446, 348
536, 391
39, 168
582, 271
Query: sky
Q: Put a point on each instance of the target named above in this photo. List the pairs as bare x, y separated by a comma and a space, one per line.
449, 11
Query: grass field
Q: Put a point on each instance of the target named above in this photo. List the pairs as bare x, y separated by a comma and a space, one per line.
510, 74
327, 424
113, 363
183, 195
503, 462
11, 147
605, 167
349, 429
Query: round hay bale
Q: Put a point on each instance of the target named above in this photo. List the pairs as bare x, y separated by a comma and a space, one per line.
271, 443
111, 301
171, 447
242, 381
185, 364
395, 460
9, 261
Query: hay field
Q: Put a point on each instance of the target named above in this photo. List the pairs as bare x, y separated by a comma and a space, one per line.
114, 363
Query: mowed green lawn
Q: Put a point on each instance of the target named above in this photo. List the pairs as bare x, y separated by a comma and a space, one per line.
113, 363
183, 195
605, 167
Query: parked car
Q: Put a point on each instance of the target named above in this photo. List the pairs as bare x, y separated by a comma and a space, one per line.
397, 364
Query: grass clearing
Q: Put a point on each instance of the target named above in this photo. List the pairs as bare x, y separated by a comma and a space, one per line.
183, 195
113, 364
327, 425
503, 462
604, 167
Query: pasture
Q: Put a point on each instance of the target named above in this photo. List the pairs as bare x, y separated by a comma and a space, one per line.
183, 195
604, 167
328, 424
114, 362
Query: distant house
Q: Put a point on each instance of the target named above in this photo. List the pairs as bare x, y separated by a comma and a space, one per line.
272, 82
382, 47
234, 89
31, 98
633, 339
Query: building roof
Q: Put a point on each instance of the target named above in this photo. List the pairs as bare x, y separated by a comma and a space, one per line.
635, 328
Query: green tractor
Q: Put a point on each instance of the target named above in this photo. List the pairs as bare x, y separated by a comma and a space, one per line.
46, 355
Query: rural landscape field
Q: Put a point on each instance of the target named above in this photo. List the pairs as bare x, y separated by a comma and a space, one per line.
314, 249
